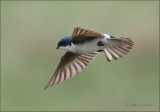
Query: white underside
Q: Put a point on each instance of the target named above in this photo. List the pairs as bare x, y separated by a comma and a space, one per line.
88, 46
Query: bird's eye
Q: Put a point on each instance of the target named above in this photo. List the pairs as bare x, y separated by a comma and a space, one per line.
100, 43
63, 44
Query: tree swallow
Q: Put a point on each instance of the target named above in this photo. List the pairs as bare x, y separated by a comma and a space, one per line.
82, 47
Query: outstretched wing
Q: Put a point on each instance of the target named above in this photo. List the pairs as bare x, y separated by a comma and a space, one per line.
70, 65
82, 35
118, 48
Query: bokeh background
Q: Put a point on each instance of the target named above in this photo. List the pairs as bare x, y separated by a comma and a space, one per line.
30, 31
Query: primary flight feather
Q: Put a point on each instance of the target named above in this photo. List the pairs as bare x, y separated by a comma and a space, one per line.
82, 47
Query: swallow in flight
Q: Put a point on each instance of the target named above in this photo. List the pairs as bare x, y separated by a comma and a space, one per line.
82, 47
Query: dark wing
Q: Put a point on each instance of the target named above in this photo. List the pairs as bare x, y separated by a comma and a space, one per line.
70, 65
82, 35
119, 48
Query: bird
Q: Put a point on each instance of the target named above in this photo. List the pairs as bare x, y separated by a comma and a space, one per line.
82, 47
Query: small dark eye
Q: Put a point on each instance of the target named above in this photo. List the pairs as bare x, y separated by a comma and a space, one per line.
100, 43
63, 44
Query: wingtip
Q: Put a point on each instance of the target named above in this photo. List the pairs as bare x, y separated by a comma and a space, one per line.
45, 87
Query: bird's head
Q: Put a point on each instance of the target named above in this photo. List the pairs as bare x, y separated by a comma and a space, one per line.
65, 42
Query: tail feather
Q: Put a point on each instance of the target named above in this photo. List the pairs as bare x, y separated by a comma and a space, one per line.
118, 48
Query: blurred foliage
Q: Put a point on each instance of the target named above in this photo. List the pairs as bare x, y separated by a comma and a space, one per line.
30, 32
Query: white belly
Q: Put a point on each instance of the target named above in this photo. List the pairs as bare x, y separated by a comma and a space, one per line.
87, 47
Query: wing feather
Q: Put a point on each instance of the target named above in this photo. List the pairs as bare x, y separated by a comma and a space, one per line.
57, 78
75, 67
66, 72
73, 70
61, 76
81, 35
87, 57
83, 61
80, 64
70, 65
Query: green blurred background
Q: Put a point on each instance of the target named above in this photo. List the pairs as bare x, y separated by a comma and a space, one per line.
30, 32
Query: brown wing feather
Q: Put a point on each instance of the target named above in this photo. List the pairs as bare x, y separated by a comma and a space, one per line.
81, 35
70, 65
121, 47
